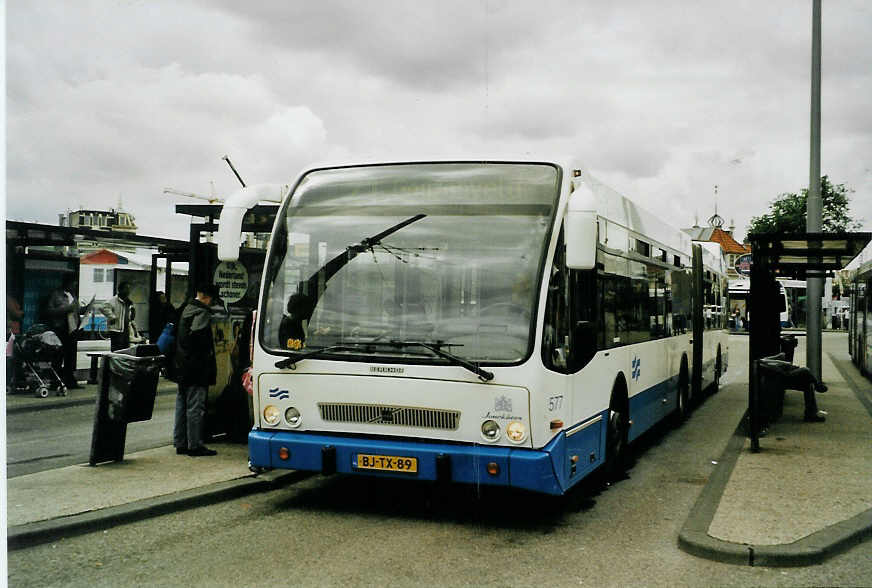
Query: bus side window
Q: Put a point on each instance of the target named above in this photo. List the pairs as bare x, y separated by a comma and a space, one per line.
555, 332
583, 298
681, 301
609, 316
667, 303
640, 309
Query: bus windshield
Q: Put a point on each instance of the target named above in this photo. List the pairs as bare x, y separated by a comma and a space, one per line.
444, 254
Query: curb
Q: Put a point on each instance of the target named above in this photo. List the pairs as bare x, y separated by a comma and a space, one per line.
810, 550
45, 404
36, 533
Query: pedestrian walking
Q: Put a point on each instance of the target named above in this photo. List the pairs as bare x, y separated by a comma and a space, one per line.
118, 316
196, 370
62, 310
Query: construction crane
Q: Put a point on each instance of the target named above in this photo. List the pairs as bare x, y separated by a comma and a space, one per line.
210, 199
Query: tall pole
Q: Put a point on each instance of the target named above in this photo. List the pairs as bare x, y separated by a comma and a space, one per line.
813, 222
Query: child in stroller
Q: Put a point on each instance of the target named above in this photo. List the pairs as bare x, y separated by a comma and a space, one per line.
33, 355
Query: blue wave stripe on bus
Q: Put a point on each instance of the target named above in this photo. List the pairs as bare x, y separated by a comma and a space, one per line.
280, 394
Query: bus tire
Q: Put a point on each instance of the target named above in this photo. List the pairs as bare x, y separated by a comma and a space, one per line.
617, 430
718, 370
683, 400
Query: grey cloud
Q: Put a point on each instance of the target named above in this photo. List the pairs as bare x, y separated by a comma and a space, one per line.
429, 45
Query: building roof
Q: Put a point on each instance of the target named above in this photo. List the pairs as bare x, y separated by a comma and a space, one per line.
718, 235
139, 261
728, 244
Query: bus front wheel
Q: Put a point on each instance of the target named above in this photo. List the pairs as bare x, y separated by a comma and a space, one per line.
616, 440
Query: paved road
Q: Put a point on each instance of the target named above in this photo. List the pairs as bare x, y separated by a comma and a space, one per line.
364, 532
59, 437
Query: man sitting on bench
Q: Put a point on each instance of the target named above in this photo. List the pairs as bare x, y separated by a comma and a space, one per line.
799, 378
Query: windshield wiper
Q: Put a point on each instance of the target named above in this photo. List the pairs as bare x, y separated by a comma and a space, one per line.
289, 362
435, 348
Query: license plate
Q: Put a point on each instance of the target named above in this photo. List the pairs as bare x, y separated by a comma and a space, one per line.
387, 463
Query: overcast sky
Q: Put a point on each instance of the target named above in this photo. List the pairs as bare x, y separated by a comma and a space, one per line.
110, 100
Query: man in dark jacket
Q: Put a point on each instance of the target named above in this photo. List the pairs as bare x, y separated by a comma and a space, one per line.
196, 371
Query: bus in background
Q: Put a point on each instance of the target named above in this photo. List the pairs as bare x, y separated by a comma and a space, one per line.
795, 292
739, 293
860, 319
503, 323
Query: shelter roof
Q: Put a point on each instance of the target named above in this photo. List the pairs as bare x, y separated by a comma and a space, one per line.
38, 234
802, 253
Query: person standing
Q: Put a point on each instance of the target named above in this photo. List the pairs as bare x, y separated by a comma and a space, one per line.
63, 318
196, 370
117, 312
13, 329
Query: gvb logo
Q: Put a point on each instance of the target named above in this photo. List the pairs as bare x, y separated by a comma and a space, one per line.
280, 394
637, 368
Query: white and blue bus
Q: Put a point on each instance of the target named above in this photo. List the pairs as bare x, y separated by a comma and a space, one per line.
481, 322
740, 296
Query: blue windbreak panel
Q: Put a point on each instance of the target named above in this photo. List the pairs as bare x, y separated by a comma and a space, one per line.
519, 468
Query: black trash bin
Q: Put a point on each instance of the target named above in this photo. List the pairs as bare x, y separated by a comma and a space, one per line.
771, 386
126, 388
133, 377
788, 346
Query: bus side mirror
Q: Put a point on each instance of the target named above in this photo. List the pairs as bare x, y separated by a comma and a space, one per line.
580, 229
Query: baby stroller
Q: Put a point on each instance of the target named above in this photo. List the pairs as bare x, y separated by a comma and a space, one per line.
33, 355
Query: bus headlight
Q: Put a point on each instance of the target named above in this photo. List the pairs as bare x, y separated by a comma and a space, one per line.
271, 415
293, 417
490, 430
516, 431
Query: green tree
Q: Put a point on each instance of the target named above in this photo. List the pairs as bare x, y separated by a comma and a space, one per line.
787, 213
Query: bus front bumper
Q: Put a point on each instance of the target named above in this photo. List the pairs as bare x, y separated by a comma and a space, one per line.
527, 469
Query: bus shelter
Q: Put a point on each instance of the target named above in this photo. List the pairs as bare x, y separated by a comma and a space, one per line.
798, 255
239, 287
39, 256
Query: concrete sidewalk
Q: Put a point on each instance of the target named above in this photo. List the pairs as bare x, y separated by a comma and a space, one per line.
51, 504
807, 494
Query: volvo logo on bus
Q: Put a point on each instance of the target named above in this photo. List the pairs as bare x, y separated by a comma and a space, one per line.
385, 416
